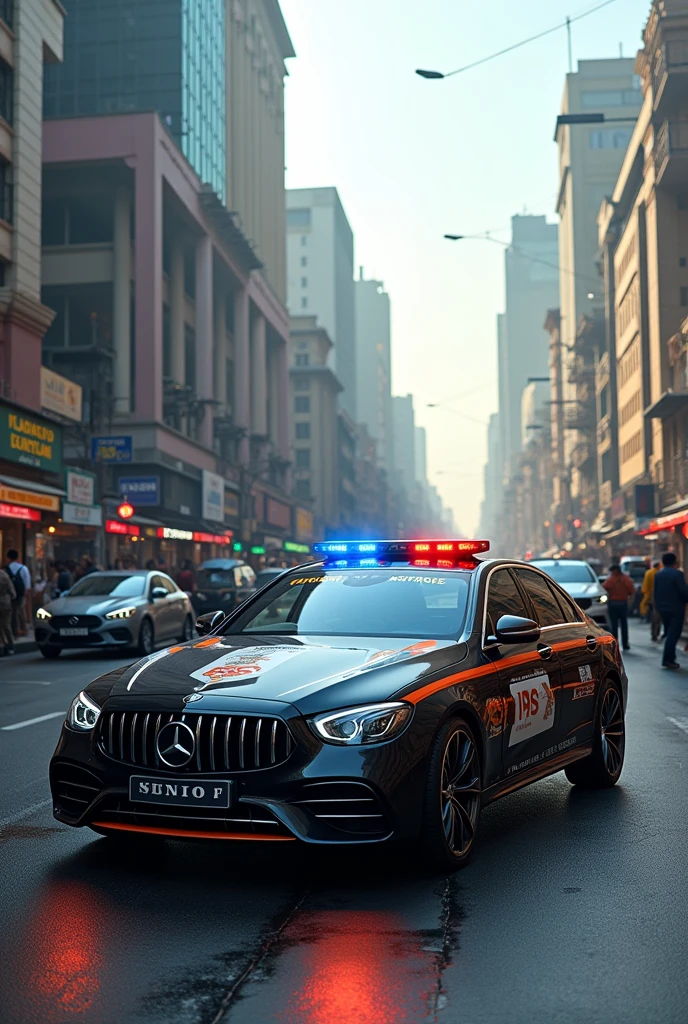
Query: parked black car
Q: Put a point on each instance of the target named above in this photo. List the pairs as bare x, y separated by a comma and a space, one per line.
222, 583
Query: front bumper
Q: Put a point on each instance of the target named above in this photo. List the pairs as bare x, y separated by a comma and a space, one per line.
320, 793
103, 633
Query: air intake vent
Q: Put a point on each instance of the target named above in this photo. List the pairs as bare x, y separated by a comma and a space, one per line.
347, 806
74, 789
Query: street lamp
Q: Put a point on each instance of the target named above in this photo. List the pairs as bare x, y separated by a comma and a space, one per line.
591, 118
429, 74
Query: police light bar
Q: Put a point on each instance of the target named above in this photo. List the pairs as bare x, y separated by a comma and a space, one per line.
448, 551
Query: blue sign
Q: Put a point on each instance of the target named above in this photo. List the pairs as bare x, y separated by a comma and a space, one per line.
111, 449
140, 490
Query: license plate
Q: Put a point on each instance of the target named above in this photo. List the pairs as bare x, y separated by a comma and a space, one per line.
81, 631
184, 792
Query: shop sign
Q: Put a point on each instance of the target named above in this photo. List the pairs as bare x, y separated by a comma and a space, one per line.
18, 512
619, 506
112, 449
80, 487
60, 395
31, 440
304, 523
140, 490
296, 549
15, 496
82, 515
277, 513
169, 533
212, 538
257, 549
213, 497
124, 529
231, 504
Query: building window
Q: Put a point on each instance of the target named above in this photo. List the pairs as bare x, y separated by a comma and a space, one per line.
302, 384
299, 219
611, 98
684, 296
302, 360
303, 431
304, 302
304, 261
304, 240
303, 458
6, 192
303, 489
608, 138
304, 282
302, 404
7, 12
6, 92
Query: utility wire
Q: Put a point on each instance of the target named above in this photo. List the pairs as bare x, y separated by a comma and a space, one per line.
531, 39
487, 237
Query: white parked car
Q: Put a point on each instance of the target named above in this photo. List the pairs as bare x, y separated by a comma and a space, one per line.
578, 579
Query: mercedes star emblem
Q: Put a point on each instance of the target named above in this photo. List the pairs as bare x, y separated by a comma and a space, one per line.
176, 744
191, 697
74, 621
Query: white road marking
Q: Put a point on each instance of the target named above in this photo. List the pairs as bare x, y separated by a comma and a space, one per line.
33, 721
680, 723
32, 809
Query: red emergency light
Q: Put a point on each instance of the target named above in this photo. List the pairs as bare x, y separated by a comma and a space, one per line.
444, 554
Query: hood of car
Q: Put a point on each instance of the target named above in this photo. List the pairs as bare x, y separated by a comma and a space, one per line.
311, 673
91, 604
577, 590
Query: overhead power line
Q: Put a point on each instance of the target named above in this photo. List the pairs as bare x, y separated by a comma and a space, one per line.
487, 237
515, 46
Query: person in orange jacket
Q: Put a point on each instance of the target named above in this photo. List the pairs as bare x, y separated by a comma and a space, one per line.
619, 588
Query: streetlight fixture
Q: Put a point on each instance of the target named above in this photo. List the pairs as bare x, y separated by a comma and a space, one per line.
429, 74
591, 118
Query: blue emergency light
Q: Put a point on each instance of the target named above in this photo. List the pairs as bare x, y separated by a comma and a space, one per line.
439, 553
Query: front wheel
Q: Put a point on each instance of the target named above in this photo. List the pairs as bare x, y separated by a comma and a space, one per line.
452, 797
51, 651
602, 768
187, 631
146, 643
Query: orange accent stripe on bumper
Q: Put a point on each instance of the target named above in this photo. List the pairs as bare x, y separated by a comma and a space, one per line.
178, 833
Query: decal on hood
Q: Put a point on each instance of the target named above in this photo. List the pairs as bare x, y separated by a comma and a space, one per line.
243, 664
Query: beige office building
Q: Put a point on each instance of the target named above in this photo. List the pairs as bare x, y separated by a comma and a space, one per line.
30, 35
590, 156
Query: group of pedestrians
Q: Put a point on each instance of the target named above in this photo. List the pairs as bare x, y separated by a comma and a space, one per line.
15, 584
665, 596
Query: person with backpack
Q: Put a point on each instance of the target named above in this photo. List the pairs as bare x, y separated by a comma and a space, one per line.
21, 580
7, 596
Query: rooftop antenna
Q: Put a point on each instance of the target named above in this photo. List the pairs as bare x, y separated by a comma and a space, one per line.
620, 49
568, 33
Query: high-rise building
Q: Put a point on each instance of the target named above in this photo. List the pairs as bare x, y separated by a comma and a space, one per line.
194, 62
420, 455
373, 366
320, 276
404, 428
30, 37
532, 286
590, 158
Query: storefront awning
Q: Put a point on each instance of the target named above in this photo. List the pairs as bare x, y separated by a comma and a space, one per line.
665, 522
15, 491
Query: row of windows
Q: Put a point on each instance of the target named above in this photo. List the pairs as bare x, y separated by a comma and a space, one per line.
632, 447
302, 404
630, 409
628, 308
629, 364
302, 431
625, 260
611, 98
6, 92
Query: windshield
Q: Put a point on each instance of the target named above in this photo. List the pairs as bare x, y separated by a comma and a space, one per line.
210, 578
348, 602
568, 572
114, 586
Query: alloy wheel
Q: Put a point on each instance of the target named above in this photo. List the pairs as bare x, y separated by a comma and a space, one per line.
612, 731
146, 637
460, 796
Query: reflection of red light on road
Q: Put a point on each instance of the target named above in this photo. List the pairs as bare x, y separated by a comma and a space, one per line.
61, 948
354, 968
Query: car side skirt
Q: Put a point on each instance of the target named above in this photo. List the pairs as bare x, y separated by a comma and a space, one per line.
534, 774
176, 833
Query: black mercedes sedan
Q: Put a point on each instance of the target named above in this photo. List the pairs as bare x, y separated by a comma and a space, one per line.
387, 692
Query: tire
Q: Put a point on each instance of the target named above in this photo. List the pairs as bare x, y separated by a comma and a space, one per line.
451, 815
602, 768
187, 631
50, 651
146, 644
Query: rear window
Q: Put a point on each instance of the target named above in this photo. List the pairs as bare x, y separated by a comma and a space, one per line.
568, 572
354, 602
209, 578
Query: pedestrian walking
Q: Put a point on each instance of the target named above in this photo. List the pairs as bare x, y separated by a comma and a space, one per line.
619, 588
21, 578
671, 597
185, 579
8, 596
647, 605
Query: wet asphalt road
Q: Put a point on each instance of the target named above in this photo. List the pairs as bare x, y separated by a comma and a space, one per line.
575, 906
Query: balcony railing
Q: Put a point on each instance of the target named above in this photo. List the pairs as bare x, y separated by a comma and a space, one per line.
669, 58
602, 371
671, 142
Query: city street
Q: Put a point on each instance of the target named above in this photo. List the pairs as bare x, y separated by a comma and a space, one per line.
573, 908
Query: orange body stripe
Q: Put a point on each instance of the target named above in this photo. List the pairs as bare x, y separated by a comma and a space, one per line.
210, 642
183, 834
485, 670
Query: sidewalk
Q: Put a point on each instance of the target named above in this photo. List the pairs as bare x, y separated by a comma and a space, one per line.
26, 644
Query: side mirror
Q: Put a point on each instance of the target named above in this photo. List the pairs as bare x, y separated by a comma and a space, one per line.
157, 593
206, 623
513, 629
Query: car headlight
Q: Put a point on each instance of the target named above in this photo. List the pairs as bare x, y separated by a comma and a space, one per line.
373, 723
43, 614
122, 613
83, 713
602, 599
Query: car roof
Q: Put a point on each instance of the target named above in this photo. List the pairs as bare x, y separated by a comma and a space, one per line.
221, 563
123, 572
558, 561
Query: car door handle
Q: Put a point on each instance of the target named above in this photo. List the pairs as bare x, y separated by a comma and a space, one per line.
544, 651
591, 643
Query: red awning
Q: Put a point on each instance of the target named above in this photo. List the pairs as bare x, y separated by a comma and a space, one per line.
667, 522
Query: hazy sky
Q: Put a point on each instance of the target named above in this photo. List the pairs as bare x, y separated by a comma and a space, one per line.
413, 158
